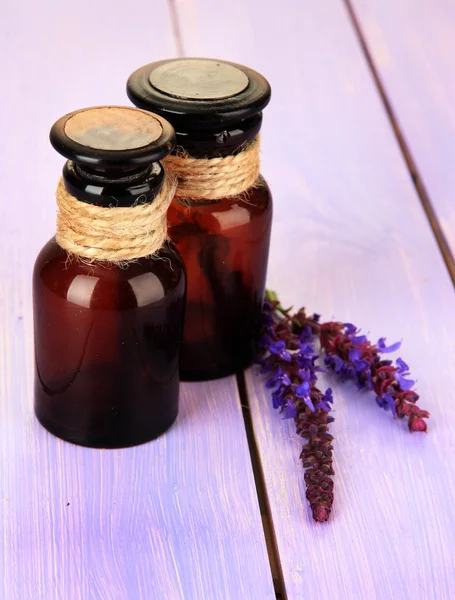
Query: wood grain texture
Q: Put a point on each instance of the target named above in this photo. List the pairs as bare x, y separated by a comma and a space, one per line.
350, 240
176, 518
412, 45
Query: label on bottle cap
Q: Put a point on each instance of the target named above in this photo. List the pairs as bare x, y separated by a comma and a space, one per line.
113, 128
199, 79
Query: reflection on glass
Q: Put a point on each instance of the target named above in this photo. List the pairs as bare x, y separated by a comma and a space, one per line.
235, 216
147, 288
81, 289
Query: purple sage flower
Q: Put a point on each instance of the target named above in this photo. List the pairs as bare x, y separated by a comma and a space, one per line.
288, 358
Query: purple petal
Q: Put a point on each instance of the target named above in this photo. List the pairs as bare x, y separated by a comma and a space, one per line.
309, 403
305, 374
389, 403
277, 347
361, 365
302, 389
338, 363
286, 380
402, 366
368, 380
358, 339
354, 354
324, 405
307, 335
383, 348
306, 349
289, 410
277, 399
285, 356
326, 400
380, 402
348, 373
405, 384
303, 361
328, 396
271, 383
350, 328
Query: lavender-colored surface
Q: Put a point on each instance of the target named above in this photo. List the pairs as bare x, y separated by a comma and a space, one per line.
179, 518
412, 43
350, 239
176, 518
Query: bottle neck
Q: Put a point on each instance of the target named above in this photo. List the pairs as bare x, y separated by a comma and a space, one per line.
114, 187
214, 143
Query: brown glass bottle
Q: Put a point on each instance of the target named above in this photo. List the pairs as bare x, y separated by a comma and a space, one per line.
107, 335
216, 109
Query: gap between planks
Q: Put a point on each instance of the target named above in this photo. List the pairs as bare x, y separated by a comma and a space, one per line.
267, 523
405, 150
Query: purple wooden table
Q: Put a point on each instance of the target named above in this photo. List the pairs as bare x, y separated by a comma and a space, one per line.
359, 147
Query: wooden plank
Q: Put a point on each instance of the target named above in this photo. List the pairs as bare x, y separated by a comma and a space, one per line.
176, 518
350, 240
412, 45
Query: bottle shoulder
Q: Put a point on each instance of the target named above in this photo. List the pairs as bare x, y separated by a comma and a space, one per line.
103, 285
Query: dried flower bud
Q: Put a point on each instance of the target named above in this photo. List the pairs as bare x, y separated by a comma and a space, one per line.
288, 358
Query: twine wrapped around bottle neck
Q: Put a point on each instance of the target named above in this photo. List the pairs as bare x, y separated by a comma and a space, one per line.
116, 234
214, 178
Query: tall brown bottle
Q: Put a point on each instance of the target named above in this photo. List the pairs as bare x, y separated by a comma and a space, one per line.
216, 109
107, 334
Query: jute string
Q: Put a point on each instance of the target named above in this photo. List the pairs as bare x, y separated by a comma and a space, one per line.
113, 234
213, 178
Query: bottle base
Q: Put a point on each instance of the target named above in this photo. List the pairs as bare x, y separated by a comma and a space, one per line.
94, 441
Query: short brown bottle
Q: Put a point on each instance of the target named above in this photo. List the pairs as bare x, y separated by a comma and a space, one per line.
216, 109
108, 332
